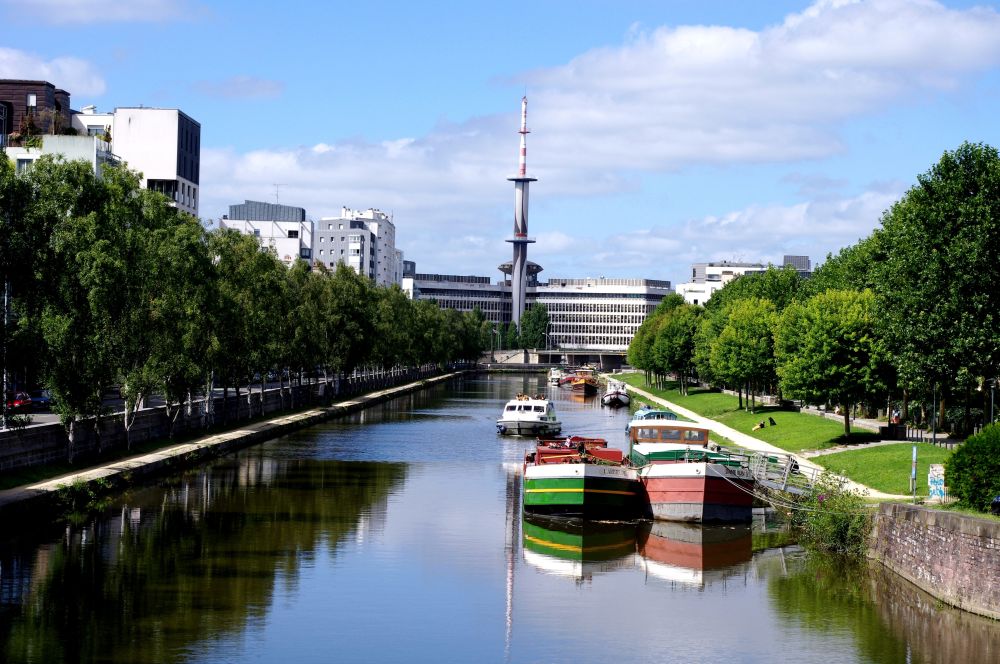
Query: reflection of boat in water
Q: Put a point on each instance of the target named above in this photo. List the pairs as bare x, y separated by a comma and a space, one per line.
576, 548
577, 476
685, 479
616, 394
690, 553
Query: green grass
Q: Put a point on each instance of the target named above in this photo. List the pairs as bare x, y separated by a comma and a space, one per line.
885, 468
794, 431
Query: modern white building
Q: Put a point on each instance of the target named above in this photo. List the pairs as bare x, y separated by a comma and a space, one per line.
283, 229
591, 315
163, 144
91, 149
363, 240
706, 278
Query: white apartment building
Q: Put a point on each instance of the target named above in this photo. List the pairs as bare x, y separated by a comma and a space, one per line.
163, 144
90, 149
363, 240
283, 229
706, 278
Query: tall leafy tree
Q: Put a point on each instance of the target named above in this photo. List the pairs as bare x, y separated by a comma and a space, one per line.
743, 353
350, 320
938, 292
534, 326
673, 349
828, 350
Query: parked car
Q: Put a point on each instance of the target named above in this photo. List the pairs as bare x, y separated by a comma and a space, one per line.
41, 400
19, 402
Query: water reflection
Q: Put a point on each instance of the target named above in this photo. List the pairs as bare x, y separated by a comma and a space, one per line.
204, 556
397, 535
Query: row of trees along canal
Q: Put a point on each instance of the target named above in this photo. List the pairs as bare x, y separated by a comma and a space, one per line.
909, 315
106, 284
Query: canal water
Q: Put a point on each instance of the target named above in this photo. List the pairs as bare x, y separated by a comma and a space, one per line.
397, 536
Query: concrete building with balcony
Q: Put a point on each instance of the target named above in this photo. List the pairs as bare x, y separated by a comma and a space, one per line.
91, 149
283, 229
164, 145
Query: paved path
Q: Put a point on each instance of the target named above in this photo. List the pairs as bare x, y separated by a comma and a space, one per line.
758, 445
128, 469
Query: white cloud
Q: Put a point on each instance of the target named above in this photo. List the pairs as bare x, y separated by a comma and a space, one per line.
72, 74
61, 12
242, 87
665, 100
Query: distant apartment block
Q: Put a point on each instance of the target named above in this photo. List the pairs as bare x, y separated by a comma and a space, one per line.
365, 241
162, 144
706, 278
283, 229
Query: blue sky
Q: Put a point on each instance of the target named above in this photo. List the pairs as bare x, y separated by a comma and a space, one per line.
663, 133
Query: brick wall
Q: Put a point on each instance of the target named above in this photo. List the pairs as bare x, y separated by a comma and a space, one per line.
953, 557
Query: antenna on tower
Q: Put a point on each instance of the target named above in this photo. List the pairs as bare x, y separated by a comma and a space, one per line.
277, 186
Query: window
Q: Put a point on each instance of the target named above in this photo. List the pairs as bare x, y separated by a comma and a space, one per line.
293, 235
256, 232
305, 252
23, 165
341, 227
32, 101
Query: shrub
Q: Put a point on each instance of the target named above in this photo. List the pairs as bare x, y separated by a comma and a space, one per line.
834, 519
973, 470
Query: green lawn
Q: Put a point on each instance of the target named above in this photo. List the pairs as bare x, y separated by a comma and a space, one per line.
886, 467
793, 431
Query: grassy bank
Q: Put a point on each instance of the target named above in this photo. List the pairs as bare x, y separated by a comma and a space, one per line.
886, 467
792, 431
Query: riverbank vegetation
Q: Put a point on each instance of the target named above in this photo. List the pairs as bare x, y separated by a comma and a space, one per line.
900, 325
792, 431
112, 289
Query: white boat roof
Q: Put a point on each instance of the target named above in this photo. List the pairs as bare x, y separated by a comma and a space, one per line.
529, 400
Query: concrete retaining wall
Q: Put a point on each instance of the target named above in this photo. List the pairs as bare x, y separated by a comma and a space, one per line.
955, 558
48, 443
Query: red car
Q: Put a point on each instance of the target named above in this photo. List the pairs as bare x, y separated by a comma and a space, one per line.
20, 402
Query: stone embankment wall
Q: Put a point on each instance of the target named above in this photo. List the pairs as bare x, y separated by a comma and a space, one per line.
45, 444
955, 558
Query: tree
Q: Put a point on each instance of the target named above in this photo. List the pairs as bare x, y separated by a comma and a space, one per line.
673, 349
743, 353
827, 349
937, 287
350, 319
535, 326
780, 285
511, 339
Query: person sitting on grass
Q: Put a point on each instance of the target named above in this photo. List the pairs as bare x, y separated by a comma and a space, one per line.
760, 425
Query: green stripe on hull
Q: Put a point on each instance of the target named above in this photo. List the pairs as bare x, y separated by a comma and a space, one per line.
579, 491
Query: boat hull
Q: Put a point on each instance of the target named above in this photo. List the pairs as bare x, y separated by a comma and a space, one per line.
593, 491
696, 492
527, 427
615, 399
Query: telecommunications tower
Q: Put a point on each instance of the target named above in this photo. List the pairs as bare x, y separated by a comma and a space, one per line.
519, 265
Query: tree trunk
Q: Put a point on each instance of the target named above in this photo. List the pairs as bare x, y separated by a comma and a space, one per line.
847, 419
71, 441
739, 391
940, 421
905, 412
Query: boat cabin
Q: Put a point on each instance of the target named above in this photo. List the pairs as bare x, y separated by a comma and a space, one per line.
667, 431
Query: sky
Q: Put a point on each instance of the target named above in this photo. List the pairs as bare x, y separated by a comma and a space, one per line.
663, 133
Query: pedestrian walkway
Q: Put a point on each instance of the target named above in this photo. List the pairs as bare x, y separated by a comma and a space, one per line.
749, 442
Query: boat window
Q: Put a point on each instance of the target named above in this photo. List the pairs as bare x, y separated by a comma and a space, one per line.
694, 434
511, 408
670, 434
539, 409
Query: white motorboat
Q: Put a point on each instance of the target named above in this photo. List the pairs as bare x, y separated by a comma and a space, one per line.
616, 394
525, 415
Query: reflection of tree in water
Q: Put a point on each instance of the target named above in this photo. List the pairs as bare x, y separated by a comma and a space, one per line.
829, 596
193, 562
